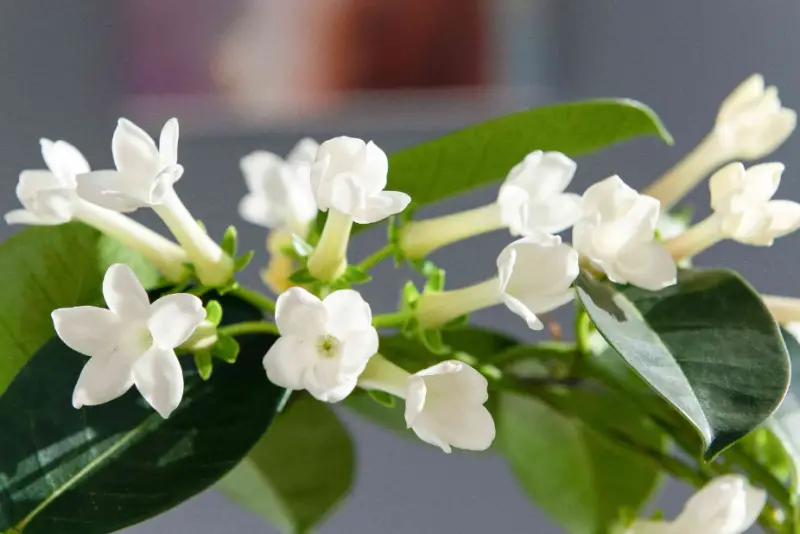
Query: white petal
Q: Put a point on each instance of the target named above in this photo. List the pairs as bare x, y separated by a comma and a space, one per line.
289, 359
26, 217
762, 181
114, 190
745, 93
298, 312
173, 318
724, 183
257, 167
376, 167
343, 154
649, 527
336, 392
159, 378
358, 347
537, 304
88, 330
102, 379
347, 312
381, 206
755, 500
123, 293
458, 379
134, 151
555, 215
610, 198
717, 507
784, 217
168, 143
64, 160
257, 209
346, 194
543, 175
32, 182
647, 265
304, 152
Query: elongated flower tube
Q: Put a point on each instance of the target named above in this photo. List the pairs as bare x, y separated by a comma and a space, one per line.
726, 505
49, 198
530, 201
751, 124
534, 277
130, 343
616, 232
144, 177
324, 344
348, 179
444, 403
743, 211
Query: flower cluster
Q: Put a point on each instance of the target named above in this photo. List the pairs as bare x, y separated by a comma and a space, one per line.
329, 342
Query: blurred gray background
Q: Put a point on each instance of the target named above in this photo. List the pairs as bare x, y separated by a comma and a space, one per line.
59, 78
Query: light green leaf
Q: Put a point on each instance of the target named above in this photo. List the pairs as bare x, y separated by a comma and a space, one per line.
45, 268
580, 478
485, 152
298, 472
102, 468
707, 345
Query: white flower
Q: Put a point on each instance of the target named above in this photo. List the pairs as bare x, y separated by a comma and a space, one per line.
444, 403
616, 232
131, 343
324, 344
742, 203
48, 196
751, 122
535, 275
532, 198
280, 195
726, 505
349, 176
145, 173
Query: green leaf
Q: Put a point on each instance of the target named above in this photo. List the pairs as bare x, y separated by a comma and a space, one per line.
51, 267
301, 247
302, 276
230, 241
577, 476
391, 418
382, 398
483, 153
240, 263
203, 363
785, 422
226, 348
213, 312
354, 275
99, 469
298, 472
708, 345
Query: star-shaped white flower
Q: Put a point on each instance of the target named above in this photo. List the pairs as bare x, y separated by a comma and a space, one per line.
444, 403
743, 205
726, 505
532, 198
324, 344
130, 343
280, 195
616, 232
751, 122
349, 176
48, 196
144, 173
536, 274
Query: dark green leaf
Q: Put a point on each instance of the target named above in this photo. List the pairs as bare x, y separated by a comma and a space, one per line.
99, 469
785, 422
230, 241
708, 345
51, 267
579, 477
298, 472
391, 418
483, 153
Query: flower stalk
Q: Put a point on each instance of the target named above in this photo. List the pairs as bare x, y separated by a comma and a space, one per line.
695, 239
329, 259
420, 238
437, 308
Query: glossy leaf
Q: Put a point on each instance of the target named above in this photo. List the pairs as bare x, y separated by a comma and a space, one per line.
51, 267
298, 471
708, 345
580, 478
99, 469
485, 152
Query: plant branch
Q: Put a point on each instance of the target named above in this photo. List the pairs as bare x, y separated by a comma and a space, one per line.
255, 298
376, 257
249, 327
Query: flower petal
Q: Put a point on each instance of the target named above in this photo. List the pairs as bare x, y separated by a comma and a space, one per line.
347, 312
88, 330
159, 378
304, 152
358, 347
123, 293
555, 215
257, 209
168, 143
381, 206
784, 217
375, 169
755, 500
134, 150
741, 97
343, 154
64, 160
347, 194
114, 190
717, 507
460, 381
646, 265
102, 379
762, 181
26, 217
543, 175
288, 360
173, 318
258, 167
298, 312
32, 182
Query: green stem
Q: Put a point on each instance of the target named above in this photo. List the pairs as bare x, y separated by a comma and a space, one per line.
583, 329
249, 327
255, 298
388, 320
376, 257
